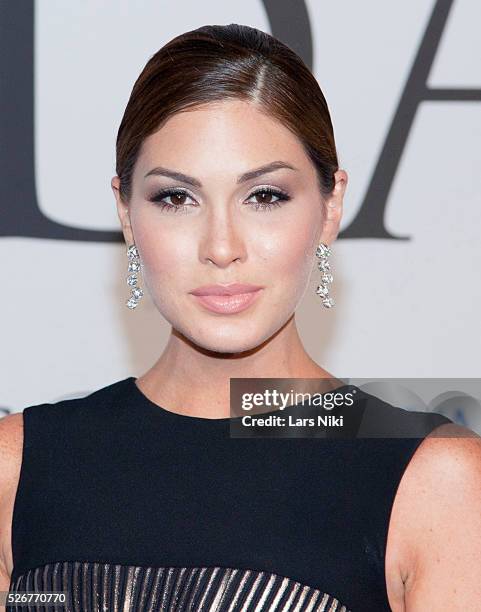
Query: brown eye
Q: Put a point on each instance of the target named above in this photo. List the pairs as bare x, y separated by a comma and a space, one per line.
264, 198
178, 200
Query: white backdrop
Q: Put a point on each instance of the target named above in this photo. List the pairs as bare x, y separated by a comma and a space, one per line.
404, 308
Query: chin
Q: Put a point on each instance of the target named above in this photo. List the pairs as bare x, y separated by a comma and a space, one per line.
233, 344
226, 340
230, 339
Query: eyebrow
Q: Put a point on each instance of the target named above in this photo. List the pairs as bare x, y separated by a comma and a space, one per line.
247, 176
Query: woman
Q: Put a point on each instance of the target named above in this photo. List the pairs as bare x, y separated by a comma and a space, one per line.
135, 496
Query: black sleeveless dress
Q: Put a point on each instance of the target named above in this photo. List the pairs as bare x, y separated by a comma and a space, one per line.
129, 506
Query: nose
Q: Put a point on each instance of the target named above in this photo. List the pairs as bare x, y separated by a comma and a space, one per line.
222, 238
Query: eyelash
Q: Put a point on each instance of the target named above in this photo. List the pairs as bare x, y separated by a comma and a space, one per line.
163, 193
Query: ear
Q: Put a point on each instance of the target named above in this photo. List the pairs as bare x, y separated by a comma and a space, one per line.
122, 211
333, 209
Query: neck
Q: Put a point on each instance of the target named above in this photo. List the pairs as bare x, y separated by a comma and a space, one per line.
190, 380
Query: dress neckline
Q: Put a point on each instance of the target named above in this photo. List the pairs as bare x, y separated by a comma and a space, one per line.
186, 418
194, 420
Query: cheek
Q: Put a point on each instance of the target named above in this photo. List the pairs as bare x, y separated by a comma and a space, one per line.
162, 253
288, 253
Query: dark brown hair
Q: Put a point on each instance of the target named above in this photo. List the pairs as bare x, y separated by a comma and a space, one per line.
219, 62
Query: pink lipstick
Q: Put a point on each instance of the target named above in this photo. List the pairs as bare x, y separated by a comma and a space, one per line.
227, 299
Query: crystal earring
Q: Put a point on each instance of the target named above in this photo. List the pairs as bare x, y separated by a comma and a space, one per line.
323, 252
136, 292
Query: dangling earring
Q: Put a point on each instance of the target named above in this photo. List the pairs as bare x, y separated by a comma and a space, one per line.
323, 252
132, 279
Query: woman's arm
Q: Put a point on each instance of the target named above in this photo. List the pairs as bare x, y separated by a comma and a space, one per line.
445, 525
11, 444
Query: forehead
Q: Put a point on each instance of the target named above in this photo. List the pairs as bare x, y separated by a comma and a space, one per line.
230, 135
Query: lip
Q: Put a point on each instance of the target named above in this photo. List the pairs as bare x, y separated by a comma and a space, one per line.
229, 302
227, 289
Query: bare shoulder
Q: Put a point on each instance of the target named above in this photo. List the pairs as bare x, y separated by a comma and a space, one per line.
438, 503
11, 445
447, 461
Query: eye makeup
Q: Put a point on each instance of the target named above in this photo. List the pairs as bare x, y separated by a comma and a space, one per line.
159, 196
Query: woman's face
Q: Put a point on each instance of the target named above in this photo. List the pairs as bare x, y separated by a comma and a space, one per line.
221, 227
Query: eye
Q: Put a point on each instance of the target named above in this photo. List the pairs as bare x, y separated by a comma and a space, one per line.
177, 196
266, 195
178, 199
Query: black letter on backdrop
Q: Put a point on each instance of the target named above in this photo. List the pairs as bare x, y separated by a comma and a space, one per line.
21, 215
369, 221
